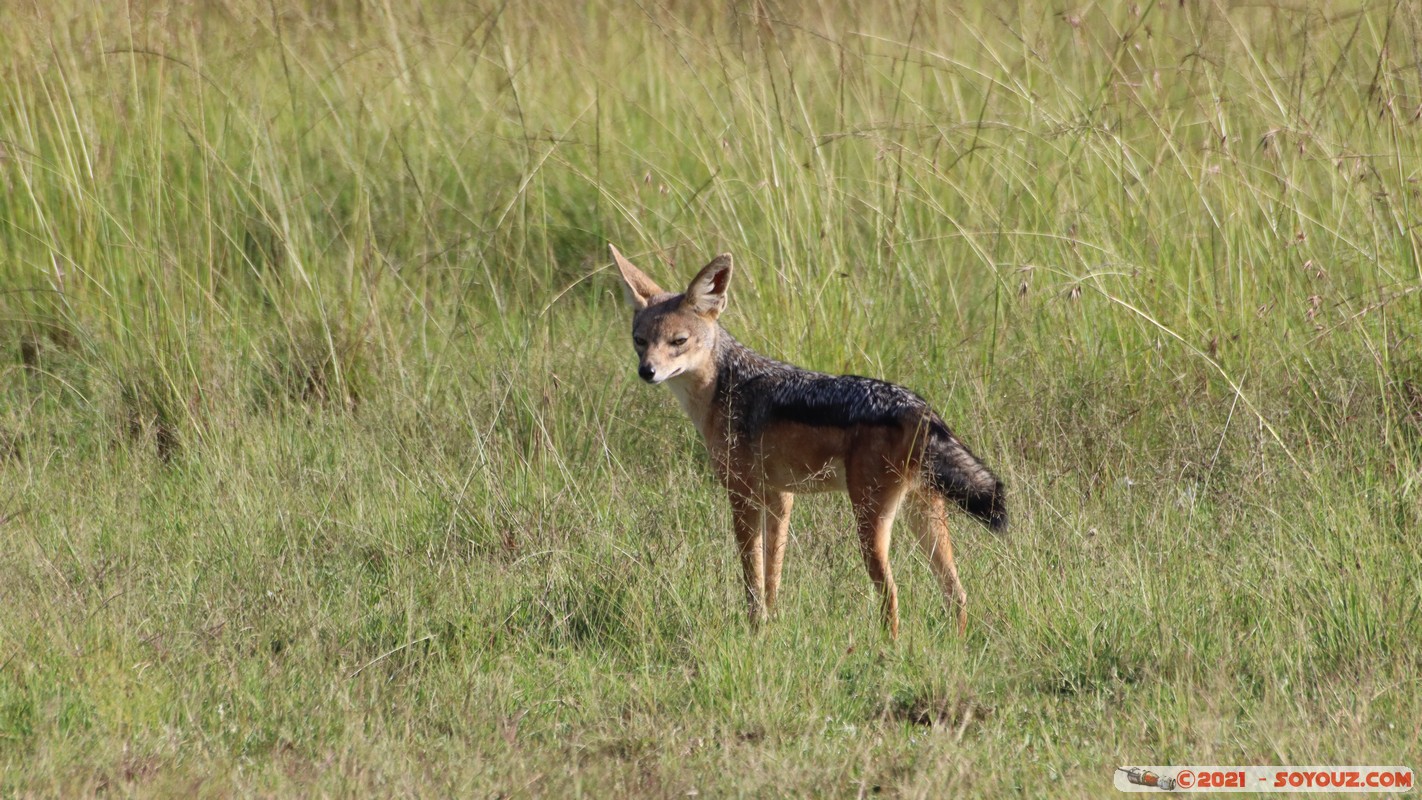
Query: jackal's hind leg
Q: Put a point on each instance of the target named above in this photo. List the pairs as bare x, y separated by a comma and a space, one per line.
874, 509
930, 522
777, 528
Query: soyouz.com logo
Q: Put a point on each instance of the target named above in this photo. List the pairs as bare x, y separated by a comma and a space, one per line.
1264, 779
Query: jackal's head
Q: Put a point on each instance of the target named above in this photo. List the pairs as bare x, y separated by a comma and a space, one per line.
675, 334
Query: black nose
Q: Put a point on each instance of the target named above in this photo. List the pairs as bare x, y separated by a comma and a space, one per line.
646, 373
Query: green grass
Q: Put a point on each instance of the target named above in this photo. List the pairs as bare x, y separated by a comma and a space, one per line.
324, 468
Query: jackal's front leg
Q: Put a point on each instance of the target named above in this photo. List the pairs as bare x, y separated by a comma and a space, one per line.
777, 529
746, 516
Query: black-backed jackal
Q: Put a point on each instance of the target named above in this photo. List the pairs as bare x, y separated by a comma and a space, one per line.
775, 430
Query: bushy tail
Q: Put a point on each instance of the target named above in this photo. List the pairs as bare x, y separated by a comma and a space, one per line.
954, 471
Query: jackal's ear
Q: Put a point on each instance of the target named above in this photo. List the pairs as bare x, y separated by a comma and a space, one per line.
707, 293
636, 286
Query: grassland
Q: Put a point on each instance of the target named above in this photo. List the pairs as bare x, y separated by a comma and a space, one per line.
324, 469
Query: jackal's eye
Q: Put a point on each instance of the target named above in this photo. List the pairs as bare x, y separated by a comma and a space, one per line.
639, 341
678, 341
